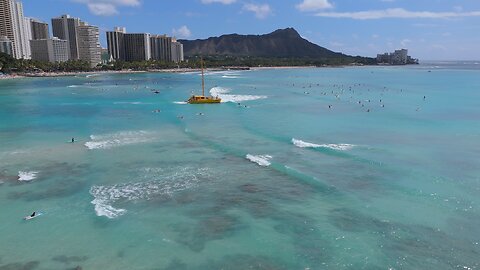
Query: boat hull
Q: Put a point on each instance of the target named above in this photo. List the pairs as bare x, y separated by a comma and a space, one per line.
204, 100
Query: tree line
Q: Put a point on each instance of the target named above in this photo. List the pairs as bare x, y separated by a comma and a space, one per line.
9, 64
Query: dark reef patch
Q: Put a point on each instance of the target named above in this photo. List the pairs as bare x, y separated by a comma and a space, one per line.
242, 262
214, 227
21, 266
69, 259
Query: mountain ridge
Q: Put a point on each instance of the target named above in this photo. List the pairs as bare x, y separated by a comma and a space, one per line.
281, 43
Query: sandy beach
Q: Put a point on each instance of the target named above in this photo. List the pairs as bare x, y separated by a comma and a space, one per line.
171, 70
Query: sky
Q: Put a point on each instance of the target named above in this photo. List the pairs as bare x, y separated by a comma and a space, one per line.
429, 29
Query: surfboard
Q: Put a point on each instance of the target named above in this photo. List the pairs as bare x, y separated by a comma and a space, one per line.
30, 217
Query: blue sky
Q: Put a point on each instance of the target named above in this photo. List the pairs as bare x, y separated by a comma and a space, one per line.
430, 29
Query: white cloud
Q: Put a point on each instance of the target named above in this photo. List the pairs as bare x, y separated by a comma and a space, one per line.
225, 2
398, 13
107, 7
313, 5
182, 32
261, 10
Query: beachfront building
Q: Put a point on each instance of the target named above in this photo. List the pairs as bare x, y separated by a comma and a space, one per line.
137, 47
89, 48
177, 51
128, 47
398, 57
39, 29
51, 50
115, 45
6, 45
161, 48
12, 25
65, 28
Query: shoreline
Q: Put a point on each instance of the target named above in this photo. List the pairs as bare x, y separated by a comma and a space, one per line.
170, 70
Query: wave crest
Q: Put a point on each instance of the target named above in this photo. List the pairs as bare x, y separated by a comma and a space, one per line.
27, 176
339, 147
261, 160
107, 141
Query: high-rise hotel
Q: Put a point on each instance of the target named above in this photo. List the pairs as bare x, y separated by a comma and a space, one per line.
132, 47
13, 27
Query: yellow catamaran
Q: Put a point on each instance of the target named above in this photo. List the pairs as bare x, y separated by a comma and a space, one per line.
203, 99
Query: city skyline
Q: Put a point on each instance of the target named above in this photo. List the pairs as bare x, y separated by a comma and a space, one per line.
431, 31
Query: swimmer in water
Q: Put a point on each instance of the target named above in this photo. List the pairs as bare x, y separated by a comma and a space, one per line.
73, 140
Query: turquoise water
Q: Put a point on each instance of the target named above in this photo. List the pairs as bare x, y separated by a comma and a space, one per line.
382, 179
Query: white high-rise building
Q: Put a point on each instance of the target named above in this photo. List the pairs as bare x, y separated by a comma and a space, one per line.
12, 25
27, 29
89, 48
177, 51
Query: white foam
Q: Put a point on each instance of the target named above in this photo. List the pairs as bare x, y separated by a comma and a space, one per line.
103, 209
262, 160
74, 86
340, 147
223, 94
230, 77
180, 102
27, 176
119, 139
132, 103
160, 182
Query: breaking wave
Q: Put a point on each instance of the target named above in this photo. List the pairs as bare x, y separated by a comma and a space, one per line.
340, 147
27, 176
261, 160
223, 93
160, 182
119, 139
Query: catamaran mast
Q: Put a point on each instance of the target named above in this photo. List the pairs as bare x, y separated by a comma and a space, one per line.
203, 79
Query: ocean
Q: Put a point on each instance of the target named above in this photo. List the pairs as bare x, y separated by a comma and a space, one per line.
306, 168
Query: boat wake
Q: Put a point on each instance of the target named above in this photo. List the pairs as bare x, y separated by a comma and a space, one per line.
119, 139
261, 160
157, 183
223, 93
180, 102
27, 176
339, 147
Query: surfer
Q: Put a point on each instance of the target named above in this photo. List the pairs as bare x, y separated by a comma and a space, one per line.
33, 214
73, 140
